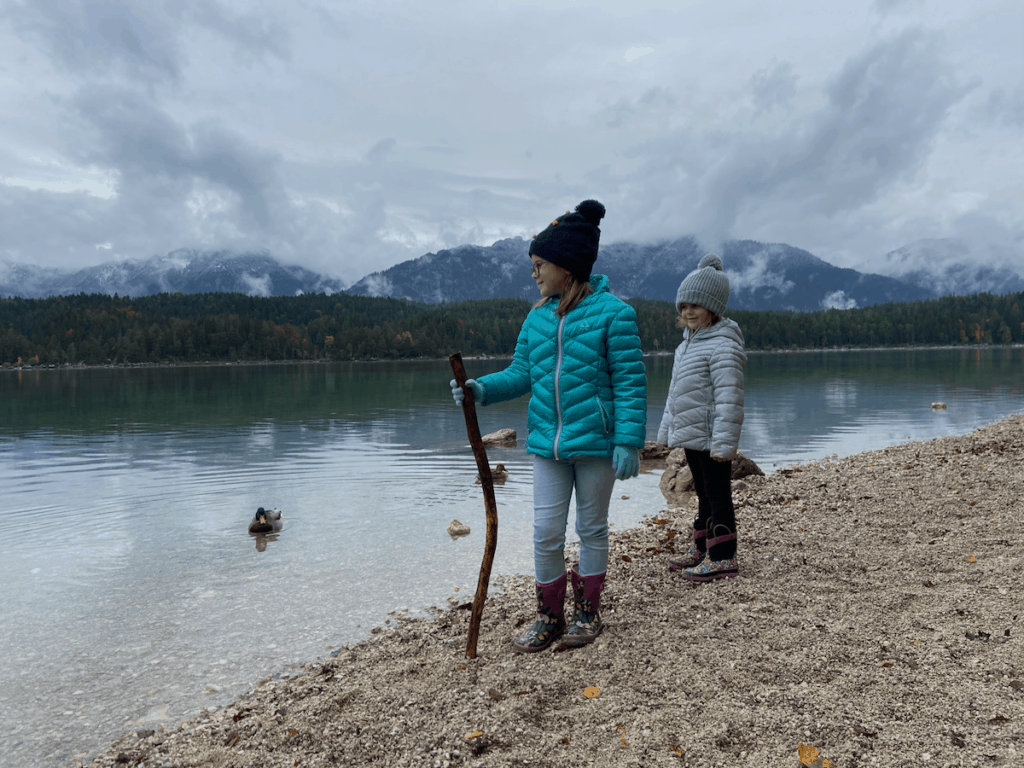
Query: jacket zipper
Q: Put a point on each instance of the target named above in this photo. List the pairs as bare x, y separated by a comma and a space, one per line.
558, 393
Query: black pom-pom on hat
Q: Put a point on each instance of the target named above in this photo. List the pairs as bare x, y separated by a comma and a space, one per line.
571, 241
591, 210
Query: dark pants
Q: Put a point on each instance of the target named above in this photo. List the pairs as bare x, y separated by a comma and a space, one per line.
715, 514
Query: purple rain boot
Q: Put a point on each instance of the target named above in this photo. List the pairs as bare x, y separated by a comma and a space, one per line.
550, 623
586, 622
694, 555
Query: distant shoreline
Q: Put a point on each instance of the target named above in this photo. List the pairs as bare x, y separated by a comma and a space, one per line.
8, 367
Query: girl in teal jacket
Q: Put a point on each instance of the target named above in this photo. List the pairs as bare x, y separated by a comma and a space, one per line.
578, 357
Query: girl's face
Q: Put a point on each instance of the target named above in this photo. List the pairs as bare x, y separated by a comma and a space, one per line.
694, 316
550, 277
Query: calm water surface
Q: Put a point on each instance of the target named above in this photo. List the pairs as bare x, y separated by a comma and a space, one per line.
133, 594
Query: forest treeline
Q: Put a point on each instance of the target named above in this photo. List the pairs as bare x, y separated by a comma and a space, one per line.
97, 329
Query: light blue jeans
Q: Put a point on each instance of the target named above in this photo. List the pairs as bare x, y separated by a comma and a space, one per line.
553, 481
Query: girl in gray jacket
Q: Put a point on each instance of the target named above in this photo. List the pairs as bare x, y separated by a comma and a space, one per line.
703, 415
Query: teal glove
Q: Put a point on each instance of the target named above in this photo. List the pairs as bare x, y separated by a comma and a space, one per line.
625, 462
460, 397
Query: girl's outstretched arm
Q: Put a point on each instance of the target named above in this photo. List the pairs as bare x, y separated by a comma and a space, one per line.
514, 381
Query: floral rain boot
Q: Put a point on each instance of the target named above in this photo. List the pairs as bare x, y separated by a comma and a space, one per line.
720, 562
694, 555
550, 623
586, 622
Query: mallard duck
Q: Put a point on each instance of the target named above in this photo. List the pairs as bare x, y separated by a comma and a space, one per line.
499, 475
266, 521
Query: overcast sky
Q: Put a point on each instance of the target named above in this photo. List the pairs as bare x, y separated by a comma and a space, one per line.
350, 136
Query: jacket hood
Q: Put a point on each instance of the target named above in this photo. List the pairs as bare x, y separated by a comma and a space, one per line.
599, 283
724, 328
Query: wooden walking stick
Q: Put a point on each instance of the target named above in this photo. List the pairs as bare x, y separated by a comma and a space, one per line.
487, 482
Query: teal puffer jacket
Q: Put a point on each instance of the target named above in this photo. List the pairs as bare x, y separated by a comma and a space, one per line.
585, 376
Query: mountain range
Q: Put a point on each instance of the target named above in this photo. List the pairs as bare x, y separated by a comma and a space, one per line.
181, 271
762, 276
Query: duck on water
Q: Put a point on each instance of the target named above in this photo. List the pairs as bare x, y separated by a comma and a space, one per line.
266, 521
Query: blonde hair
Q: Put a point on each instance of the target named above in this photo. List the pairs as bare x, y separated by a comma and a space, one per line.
574, 291
680, 323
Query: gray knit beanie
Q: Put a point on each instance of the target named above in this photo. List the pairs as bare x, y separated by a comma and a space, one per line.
707, 286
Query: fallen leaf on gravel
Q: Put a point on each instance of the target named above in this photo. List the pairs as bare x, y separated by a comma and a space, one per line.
494, 694
292, 732
971, 559
810, 756
591, 692
661, 521
998, 720
806, 753
475, 735
1016, 684
627, 559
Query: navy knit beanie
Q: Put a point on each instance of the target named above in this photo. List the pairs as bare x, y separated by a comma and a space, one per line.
570, 241
707, 286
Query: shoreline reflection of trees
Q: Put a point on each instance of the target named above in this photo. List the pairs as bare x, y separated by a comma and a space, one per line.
97, 329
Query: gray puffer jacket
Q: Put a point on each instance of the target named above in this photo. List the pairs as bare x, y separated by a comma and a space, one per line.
704, 410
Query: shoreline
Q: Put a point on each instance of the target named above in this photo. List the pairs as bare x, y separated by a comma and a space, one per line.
874, 635
10, 367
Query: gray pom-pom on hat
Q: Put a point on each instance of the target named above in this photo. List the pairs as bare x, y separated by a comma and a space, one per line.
707, 286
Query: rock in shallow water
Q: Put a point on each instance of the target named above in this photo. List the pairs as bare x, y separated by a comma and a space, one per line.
457, 530
503, 438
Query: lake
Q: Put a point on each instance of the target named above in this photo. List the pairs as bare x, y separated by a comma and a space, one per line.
133, 594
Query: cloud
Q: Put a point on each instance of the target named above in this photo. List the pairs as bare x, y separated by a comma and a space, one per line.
1006, 106
159, 160
350, 142
146, 42
257, 286
774, 86
632, 54
758, 275
876, 126
838, 300
888, 6
379, 151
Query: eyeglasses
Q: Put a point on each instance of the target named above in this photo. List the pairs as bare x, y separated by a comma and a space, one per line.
535, 269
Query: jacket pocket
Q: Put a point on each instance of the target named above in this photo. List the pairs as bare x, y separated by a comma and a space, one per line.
605, 420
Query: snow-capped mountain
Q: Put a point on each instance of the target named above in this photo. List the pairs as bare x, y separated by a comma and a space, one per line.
950, 266
28, 280
762, 276
184, 271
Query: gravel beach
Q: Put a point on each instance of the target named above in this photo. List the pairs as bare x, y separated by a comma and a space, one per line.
877, 621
